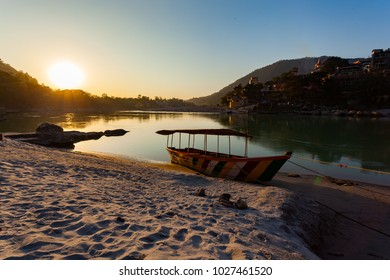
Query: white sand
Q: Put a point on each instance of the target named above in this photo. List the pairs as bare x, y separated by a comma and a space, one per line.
64, 205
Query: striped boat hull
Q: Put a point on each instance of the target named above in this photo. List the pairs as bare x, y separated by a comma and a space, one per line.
259, 169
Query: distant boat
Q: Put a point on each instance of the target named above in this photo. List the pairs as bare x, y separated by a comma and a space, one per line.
222, 165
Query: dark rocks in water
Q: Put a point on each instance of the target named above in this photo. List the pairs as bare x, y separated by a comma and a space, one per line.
115, 132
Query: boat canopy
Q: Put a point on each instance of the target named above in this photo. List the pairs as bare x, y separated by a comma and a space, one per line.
225, 132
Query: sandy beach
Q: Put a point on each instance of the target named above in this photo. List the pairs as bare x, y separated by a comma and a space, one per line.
58, 204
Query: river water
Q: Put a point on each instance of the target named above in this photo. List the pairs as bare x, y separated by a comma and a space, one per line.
345, 148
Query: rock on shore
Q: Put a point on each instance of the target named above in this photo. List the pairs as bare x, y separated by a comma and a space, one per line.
51, 135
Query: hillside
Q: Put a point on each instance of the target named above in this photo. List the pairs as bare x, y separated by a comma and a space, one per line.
7, 68
20, 92
264, 74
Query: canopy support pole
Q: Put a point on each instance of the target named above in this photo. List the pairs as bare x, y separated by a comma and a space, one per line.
229, 146
246, 146
205, 144
217, 145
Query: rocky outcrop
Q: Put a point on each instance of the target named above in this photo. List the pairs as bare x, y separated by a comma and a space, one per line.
115, 132
51, 135
48, 128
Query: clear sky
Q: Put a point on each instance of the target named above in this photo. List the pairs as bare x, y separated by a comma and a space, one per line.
182, 48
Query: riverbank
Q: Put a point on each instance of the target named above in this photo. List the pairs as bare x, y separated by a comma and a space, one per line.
57, 204
315, 111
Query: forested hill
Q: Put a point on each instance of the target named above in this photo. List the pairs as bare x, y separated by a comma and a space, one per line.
21, 92
18, 90
7, 68
264, 74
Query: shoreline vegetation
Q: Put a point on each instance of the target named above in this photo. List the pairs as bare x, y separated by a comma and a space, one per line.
58, 204
251, 109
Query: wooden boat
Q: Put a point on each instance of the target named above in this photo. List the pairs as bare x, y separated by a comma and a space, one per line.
222, 165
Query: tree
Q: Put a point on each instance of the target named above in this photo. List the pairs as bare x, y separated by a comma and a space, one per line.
331, 64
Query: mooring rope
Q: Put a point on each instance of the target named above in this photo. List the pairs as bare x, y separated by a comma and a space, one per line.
311, 170
372, 191
322, 175
344, 165
353, 220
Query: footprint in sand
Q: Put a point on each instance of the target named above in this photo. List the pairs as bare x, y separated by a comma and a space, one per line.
180, 235
104, 223
198, 228
59, 224
127, 234
162, 234
88, 229
113, 254
121, 227
195, 241
96, 250
35, 246
209, 221
134, 256
136, 227
73, 227
53, 232
75, 257
223, 238
212, 233
97, 237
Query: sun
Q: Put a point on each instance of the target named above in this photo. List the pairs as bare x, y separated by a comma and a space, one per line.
66, 75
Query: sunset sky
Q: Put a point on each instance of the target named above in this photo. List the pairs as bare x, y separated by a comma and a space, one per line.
181, 48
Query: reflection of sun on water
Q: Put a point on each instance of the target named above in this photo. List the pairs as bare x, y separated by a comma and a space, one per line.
66, 75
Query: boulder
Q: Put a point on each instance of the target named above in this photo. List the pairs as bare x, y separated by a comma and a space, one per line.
224, 199
77, 136
241, 204
47, 128
52, 135
200, 192
115, 132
